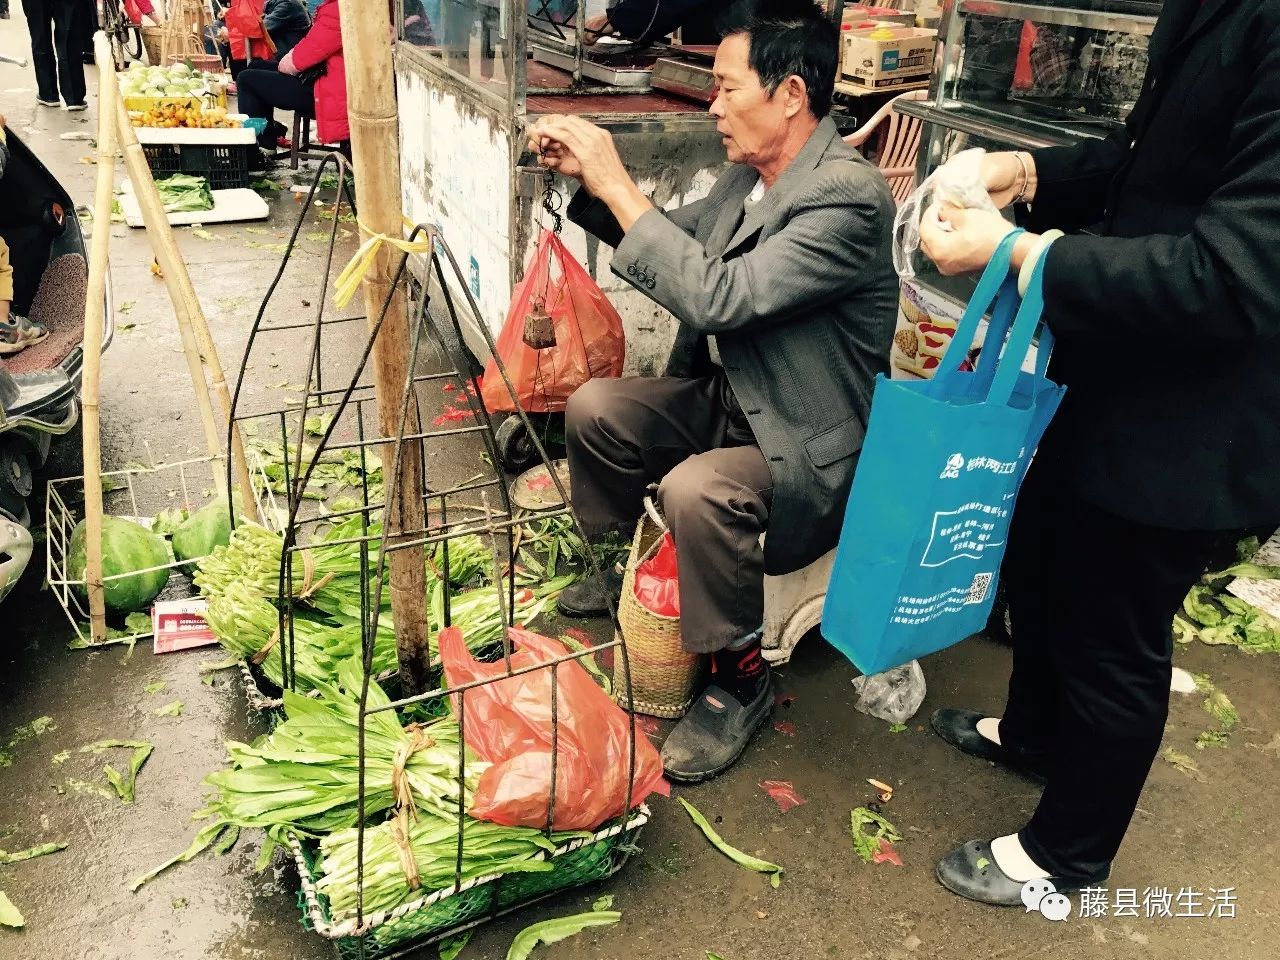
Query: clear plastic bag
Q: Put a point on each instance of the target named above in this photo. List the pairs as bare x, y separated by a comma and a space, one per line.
894, 695
957, 182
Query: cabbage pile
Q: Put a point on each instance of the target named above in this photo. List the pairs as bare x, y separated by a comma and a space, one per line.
178, 80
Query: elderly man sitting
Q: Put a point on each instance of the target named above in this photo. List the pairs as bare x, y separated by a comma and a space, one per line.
782, 281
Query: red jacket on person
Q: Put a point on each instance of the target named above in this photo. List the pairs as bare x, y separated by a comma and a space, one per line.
246, 35
323, 44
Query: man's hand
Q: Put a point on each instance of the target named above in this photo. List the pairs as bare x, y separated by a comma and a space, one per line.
1008, 174
286, 65
964, 241
579, 149
597, 27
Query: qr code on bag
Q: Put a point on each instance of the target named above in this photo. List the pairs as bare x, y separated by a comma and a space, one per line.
978, 589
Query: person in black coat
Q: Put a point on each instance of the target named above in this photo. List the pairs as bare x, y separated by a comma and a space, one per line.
643, 21
1167, 446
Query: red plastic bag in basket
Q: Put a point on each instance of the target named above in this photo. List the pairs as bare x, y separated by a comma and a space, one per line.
657, 584
589, 338
508, 723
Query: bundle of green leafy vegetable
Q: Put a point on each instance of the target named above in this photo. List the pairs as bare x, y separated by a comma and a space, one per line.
326, 574
183, 193
304, 779
304, 776
1212, 615
487, 848
248, 626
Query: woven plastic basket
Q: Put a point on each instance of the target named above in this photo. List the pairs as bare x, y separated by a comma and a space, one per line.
663, 674
433, 917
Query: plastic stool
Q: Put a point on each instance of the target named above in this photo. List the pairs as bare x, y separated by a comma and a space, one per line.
793, 606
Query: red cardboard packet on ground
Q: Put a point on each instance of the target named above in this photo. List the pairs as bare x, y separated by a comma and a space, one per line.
589, 341
508, 723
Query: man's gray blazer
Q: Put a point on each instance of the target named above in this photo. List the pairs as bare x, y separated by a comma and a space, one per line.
801, 296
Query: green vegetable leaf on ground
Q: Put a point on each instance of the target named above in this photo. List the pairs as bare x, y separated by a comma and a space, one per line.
450, 947
983, 863
867, 842
1182, 762
561, 928
9, 915
897, 728
733, 853
28, 731
41, 851
714, 956
170, 709
202, 842
156, 687
1216, 704
603, 903
60, 758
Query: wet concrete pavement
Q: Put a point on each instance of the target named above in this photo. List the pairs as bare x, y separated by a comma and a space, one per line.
679, 898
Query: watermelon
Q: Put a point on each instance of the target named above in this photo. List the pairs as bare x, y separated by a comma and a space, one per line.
126, 547
208, 527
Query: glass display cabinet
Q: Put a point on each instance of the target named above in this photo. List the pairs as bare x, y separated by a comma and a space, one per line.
1008, 76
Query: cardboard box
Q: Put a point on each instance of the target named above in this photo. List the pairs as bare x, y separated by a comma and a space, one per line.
906, 57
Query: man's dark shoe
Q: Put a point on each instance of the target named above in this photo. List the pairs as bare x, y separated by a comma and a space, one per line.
970, 871
960, 729
590, 596
712, 735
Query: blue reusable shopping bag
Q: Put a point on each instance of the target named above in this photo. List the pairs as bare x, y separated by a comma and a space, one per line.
928, 516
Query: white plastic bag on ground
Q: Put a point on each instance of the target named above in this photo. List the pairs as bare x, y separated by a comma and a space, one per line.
957, 182
894, 695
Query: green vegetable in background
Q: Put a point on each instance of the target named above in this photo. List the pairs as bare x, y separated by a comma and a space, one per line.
1219, 618
561, 928
732, 852
183, 193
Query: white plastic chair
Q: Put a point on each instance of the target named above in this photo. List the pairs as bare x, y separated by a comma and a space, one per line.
897, 142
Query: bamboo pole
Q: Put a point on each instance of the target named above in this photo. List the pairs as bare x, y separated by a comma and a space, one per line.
95, 303
197, 344
371, 107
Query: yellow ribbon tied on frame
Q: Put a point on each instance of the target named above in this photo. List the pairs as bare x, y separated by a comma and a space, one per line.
358, 266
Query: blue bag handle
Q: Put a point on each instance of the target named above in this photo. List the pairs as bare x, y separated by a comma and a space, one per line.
1024, 328
990, 284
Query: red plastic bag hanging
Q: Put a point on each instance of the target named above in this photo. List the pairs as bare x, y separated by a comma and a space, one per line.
509, 721
589, 341
657, 583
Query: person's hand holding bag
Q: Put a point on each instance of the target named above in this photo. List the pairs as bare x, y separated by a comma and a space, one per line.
1010, 177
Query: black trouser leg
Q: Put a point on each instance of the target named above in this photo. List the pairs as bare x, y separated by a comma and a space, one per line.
39, 15
623, 435
1103, 670
1029, 720
260, 93
68, 36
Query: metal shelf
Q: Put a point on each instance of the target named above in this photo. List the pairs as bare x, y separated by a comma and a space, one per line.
995, 125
